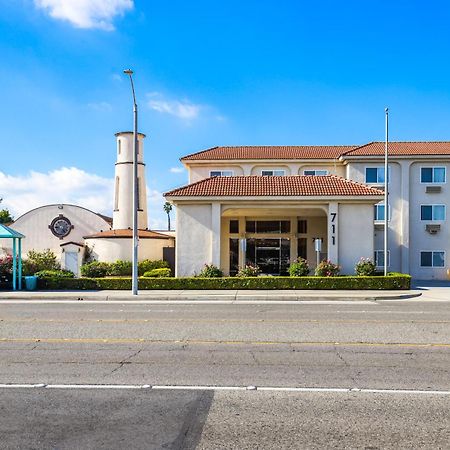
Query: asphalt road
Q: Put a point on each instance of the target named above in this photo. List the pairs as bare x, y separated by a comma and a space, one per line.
385, 346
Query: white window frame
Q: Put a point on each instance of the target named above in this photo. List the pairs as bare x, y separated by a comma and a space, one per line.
377, 182
432, 212
432, 175
325, 172
375, 258
389, 212
222, 173
432, 266
281, 173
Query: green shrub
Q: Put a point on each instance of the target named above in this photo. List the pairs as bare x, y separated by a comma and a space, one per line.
393, 281
158, 273
148, 264
120, 269
365, 267
39, 261
299, 268
327, 269
95, 269
55, 274
249, 270
210, 271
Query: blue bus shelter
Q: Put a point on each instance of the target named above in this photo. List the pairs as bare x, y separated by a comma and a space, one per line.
9, 233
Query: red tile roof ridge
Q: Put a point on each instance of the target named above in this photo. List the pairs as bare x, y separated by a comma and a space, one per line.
314, 185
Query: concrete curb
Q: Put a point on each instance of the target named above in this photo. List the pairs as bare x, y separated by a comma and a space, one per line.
199, 297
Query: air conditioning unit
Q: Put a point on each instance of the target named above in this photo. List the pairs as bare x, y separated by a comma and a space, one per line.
433, 189
432, 228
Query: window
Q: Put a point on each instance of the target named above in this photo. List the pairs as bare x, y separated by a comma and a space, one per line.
221, 173
119, 145
302, 226
234, 256
378, 257
379, 212
315, 172
234, 226
302, 244
376, 175
272, 173
432, 175
432, 212
432, 259
268, 226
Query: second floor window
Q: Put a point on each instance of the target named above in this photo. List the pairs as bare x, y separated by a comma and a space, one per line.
432, 175
379, 212
432, 212
272, 173
315, 172
221, 173
375, 175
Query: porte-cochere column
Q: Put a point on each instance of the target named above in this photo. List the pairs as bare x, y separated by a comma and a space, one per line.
333, 220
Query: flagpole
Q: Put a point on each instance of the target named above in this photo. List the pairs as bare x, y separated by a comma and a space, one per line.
386, 194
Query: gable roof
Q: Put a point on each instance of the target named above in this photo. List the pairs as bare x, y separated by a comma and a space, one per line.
270, 152
401, 149
282, 186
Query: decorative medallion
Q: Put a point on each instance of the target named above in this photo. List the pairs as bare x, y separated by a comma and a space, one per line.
60, 226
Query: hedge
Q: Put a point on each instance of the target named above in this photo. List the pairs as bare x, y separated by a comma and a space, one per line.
391, 282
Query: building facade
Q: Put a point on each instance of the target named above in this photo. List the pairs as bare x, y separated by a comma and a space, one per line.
269, 205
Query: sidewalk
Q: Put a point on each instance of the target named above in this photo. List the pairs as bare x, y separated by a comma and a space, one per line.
216, 295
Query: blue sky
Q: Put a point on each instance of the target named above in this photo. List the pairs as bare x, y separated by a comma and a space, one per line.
206, 73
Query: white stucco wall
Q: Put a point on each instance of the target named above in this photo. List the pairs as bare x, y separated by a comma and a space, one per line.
355, 235
113, 249
420, 239
35, 226
194, 236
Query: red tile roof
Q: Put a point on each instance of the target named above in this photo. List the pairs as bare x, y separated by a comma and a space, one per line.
271, 152
402, 149
123, 234
290, 186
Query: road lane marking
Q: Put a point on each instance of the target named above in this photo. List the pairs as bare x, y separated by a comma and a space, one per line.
349, 390
224, 321
218, 342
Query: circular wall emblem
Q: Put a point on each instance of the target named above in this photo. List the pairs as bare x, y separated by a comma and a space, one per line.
60, 226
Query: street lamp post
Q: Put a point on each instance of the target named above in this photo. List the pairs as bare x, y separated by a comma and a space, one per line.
134, 274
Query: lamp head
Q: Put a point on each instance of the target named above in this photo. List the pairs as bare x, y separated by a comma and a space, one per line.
128, 72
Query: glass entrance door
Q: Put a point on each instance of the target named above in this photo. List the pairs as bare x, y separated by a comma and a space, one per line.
271, 255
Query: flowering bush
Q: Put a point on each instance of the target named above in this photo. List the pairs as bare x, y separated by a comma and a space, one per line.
299, 268
6, 267
210, 271
249, 270
365, 267
327, 269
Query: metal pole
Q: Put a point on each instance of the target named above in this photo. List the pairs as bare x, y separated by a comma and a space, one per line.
134, 273
386, 194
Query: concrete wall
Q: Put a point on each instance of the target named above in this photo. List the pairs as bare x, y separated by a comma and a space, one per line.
199, 172
113, 249
194, 236
355, 235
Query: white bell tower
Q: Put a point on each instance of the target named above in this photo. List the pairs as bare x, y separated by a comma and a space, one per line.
123, 189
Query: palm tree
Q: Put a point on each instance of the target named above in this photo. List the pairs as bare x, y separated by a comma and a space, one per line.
167, 208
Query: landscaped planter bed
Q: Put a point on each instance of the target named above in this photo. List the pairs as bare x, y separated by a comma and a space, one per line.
393, 281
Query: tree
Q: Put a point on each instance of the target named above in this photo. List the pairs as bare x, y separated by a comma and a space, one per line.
5, 215
168, 208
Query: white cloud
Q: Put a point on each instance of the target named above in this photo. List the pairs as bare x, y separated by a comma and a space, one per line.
177, 169
71, 185
86, 13
183, 109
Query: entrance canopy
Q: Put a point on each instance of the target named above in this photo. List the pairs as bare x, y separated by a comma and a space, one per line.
9, 233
